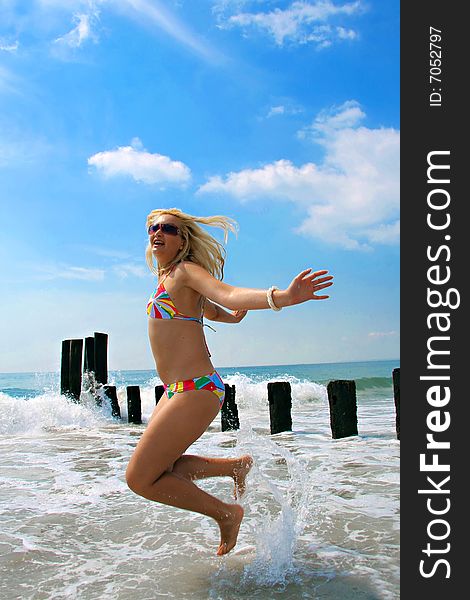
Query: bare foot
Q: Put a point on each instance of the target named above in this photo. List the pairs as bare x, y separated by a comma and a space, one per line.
229, 529
240, 472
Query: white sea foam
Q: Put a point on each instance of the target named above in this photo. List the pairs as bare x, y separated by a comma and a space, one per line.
253, 393
47, 411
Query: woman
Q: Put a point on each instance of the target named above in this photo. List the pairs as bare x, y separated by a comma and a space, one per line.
189, 265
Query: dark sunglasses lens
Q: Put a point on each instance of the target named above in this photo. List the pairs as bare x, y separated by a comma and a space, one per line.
169, 229
165, 227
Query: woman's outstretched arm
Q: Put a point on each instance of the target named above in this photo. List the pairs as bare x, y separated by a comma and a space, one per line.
302, 288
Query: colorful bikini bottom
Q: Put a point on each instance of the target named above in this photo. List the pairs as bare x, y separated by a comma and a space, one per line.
212, 383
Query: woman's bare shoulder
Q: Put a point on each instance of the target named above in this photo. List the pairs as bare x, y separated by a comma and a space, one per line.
199, 279
187, 267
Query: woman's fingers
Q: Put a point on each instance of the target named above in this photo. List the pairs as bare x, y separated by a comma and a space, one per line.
239, 314
313, 275
321, 282
323, 285
322, 279
303, 274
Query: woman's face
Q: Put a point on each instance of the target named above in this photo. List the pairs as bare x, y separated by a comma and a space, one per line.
166, 246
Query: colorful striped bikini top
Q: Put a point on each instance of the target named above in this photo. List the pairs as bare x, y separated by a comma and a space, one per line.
161, 306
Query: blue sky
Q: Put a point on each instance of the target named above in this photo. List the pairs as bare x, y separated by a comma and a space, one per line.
282, 115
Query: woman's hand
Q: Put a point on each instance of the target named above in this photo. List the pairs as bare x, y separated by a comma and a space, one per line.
238, 315
305, 286
217, 313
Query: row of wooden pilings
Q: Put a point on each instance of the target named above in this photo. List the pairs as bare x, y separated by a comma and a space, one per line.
341, 393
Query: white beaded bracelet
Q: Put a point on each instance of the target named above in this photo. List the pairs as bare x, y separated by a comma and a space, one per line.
269, 296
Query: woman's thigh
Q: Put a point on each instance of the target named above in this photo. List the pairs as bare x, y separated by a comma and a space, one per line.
160, 404
173, 428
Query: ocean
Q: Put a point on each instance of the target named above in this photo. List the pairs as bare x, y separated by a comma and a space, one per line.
321, 515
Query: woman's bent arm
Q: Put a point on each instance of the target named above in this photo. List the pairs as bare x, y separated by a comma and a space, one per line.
217, 313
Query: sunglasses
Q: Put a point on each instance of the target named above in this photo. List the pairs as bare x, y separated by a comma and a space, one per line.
164, 228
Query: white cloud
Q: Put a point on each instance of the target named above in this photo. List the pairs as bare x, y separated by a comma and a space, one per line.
301, 23
136, 162
276, 110
155, 14
280, 180
385, 234
346, 34
49, 272
81, 32
124, 270
349, 114
9, 46
283, 109
350, 199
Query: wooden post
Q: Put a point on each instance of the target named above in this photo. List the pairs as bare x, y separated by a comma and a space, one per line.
396, 396
89, 358
343, 408
65, 368
159, 390
134, 405
76, 352
101, 357
229, 413
110, 391
280, 405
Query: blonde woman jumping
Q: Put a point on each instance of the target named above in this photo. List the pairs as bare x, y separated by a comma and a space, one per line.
189, 265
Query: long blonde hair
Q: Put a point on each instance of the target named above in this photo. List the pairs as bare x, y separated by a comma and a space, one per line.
198, 246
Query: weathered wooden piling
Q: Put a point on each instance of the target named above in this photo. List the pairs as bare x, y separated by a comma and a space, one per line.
159, 390
229, 413
111, 393
280, 406
65, 368
89, 356
343, 408
134, 405
101, 357
89, 369
396, 396
75, 372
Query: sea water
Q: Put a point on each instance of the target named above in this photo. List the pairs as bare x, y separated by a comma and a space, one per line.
321, 515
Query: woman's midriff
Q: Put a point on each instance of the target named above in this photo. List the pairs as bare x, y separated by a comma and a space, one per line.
179, 349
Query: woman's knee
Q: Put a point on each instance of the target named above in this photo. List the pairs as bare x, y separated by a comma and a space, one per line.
139, 484
134, 482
